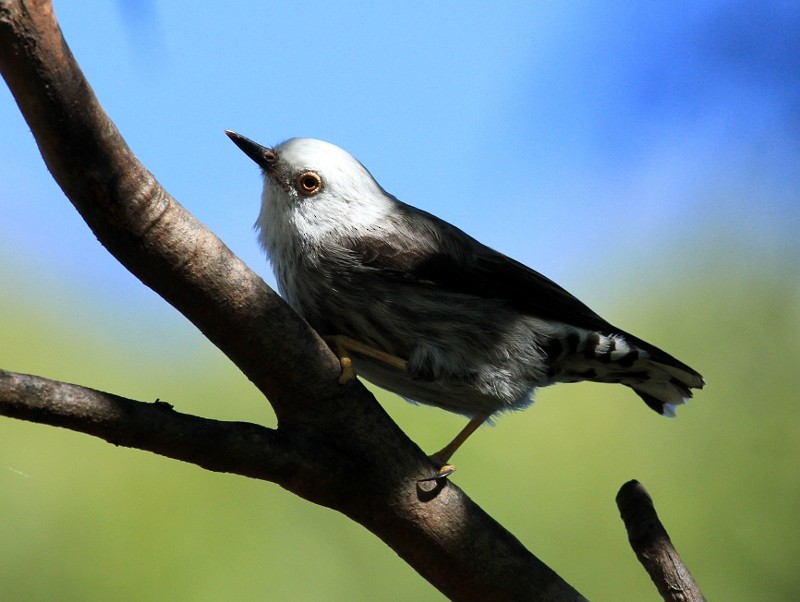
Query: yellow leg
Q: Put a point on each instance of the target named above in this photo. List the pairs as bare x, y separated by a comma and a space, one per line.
443, 455
344, 346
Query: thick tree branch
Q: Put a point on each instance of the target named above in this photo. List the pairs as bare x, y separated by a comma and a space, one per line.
149, 232
236, 447
334, 445
442, 527
653, 547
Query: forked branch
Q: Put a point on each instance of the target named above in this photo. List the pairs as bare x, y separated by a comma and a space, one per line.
326, 432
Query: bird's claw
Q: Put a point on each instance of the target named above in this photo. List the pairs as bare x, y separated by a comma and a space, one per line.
445, 470
348, 371
343, 346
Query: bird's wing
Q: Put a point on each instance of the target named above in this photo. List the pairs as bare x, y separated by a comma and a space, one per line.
431, 252
489, 274
440, 255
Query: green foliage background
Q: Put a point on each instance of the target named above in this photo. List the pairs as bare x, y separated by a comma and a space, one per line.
83, 520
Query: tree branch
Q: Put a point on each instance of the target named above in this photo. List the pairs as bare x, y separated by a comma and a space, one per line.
437, 531
652, 545
235, 447
334, 444
145, 229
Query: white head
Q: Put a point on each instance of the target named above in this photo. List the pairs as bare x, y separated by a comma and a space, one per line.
312, 188
315, 196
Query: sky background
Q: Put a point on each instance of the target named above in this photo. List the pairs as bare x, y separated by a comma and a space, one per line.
643, 155
568, 135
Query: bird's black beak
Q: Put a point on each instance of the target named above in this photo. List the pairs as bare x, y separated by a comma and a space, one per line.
263, 156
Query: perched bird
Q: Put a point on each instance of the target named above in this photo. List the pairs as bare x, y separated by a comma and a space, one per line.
425, 310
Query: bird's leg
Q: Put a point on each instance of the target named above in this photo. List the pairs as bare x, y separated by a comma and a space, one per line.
443, 455
343, 346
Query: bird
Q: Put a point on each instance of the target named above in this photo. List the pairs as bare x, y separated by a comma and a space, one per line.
420, 308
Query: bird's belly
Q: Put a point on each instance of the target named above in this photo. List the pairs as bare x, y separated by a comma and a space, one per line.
467, 356
453, 395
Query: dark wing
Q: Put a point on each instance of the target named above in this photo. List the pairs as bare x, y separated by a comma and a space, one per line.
486, 273
422, 248
440, 255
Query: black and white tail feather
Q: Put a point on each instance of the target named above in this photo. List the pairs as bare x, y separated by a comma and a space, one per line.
658, 378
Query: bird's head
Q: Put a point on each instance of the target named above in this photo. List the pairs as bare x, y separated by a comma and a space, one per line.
315, 187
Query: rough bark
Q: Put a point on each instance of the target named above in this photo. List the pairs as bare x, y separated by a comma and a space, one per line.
653, 547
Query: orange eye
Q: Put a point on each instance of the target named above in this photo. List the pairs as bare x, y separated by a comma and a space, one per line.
308, 183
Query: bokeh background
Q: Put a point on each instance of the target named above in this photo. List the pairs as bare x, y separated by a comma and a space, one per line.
645, 156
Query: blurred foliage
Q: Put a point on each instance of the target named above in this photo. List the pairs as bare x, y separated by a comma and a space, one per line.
83, 520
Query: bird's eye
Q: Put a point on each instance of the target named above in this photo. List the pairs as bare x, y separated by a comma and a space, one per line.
308, 183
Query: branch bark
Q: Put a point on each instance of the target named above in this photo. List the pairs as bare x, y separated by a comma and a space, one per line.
652, 545
235, 447
327, 433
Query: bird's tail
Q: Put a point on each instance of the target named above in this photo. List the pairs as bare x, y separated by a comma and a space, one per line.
670, 381
667, 387
662, 381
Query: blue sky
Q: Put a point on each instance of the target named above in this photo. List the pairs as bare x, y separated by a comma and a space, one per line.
571, 135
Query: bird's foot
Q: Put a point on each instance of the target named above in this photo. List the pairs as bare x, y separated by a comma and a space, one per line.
442, 457
343, 346
348, 370
445, 470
